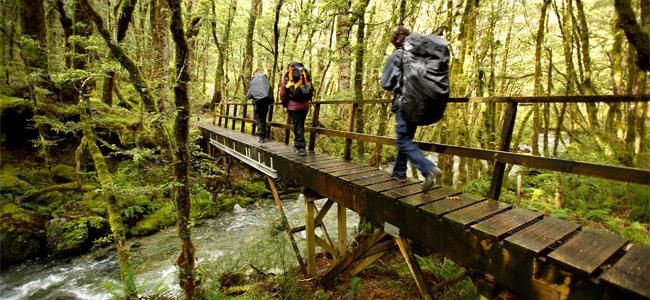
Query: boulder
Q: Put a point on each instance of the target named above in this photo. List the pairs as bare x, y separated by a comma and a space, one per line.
73, 236
22, 234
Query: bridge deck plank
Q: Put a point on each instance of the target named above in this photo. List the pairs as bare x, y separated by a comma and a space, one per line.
389, 185
405, 191
632, 271
422, 198
542, 235
363, 175
506, 222
588, 250
345, 166
373, 180
357, 170
450, 203
476, 213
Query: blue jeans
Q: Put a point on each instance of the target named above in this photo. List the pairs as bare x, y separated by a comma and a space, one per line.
407, 150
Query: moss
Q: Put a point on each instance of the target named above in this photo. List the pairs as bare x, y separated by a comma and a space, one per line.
8, 102
256, 188
10, 183
71, 236
64, 172
22, 233
164, 217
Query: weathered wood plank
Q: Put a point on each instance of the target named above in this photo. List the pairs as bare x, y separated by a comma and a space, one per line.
632, 272
452, 203
542, 234
388, 185
476, 213
363, 175
588, 250
434, 194
506, 222
373, 180
359, 169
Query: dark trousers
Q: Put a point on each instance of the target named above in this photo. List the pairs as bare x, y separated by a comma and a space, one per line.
261, 112
407, 150
298, 118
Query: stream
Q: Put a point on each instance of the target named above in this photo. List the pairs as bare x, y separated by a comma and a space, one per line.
232, 239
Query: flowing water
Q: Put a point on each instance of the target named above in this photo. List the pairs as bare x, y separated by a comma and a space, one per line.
218, 241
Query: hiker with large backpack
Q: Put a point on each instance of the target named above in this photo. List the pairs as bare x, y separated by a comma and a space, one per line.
261, 92
296, 91
417, 74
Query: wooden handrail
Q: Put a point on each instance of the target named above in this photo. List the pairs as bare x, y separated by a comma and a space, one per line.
625, 174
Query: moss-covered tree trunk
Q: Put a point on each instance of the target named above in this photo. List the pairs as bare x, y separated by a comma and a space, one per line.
635, 32
219, 85
185, 260
114, 213
159, 19
360, 12
256, 10
343, 50
537, 87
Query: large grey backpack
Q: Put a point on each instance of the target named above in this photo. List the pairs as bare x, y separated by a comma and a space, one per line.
425, 78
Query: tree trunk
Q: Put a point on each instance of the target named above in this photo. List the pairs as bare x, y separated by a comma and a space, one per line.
256, 9
537, 85
114, 213
123, 21
276, 39
343, 25
223, 47
358, 71
159, 19
635, 32
186, 258
588, 87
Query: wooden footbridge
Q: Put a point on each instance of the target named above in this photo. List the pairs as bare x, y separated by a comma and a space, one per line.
501, 246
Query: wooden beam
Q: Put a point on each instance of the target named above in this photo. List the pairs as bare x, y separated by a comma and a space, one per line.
311, 236
414, 267
365, 262
342, 264
342, 229
285, 224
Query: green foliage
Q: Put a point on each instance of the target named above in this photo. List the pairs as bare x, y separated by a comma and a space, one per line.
356, 285
10, 183
8, 102
163, 217
444, 269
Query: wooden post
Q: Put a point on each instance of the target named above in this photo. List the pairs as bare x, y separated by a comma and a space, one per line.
310, 233
342, 230
348, 141
243, 118
518, 199
287, 131
504, 145
285, 224
225, 124
314, 123
414, 267
234, 115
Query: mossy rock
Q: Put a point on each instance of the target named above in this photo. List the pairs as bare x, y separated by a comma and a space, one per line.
73, 236
256, 188
22, 234
10, 183
163, 217
64, 173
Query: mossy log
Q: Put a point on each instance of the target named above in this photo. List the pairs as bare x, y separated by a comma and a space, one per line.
69, 186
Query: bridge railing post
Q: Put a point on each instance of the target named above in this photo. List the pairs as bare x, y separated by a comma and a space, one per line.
348, 141
220, 112
287, 131
314, 124
234, 115
225, 124
243, 118
504, 145
270, 119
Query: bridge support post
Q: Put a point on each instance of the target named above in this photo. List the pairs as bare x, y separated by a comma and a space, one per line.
342, 230
310, 234
504, 145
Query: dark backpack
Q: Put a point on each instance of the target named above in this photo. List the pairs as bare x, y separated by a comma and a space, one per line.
425, 78
299, 84
260, 90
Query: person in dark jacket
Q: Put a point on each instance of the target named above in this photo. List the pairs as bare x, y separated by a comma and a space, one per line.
261, 92
297, 106
391, 80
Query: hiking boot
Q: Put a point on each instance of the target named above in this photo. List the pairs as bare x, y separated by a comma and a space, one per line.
300, 151
399, 179
262, 140
430, 178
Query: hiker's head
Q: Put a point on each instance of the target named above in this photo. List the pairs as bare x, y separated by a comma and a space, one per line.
398, 36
